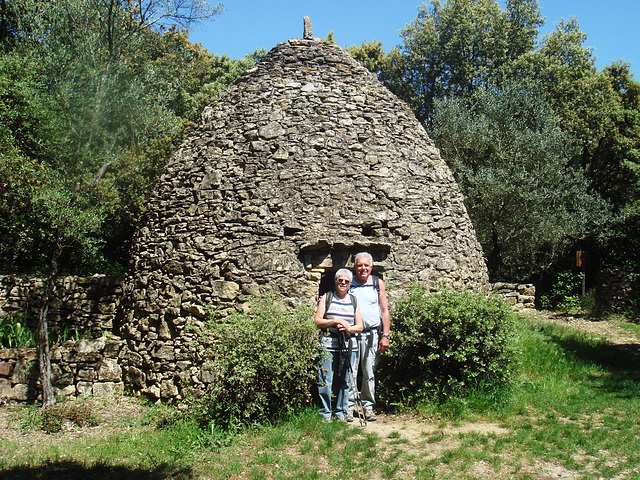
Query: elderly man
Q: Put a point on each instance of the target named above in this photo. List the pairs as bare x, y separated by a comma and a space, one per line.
371, 294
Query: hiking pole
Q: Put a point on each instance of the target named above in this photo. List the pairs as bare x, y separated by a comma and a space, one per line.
344, 339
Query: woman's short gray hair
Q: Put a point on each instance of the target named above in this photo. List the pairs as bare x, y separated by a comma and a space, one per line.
341, 272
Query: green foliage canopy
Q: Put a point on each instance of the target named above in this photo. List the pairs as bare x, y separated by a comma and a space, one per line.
93, 100
512, 163
455, 47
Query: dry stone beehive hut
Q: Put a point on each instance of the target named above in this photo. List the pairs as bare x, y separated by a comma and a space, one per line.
305, 161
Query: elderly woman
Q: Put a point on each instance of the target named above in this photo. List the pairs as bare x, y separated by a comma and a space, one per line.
338, 317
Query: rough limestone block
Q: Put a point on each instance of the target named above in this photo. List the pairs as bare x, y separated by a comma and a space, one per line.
108, 389
5, 369
109, 370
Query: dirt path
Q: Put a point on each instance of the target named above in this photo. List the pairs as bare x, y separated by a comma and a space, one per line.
612, 330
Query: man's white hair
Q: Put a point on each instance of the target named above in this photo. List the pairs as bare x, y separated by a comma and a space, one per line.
363, 254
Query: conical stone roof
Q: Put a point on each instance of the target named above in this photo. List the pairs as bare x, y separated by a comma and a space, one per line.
305, 161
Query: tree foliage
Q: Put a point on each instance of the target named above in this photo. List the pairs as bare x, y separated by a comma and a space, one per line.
465, 67
93, 100
371, 55
614, 162
581, 97
455, 47
527, 203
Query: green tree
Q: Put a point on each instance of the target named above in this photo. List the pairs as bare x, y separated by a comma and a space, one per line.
512, 162
46, 113
99, 99
614, 171
601, 110
370, 54
25, 133
457, 59
580, 96
614, 164
453, 48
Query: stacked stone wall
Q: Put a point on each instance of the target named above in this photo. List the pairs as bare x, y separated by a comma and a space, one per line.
617, 290
519, 295
78, 369
82, 306
105, 366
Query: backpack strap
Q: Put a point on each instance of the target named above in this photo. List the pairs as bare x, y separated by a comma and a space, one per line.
376, 283
328, 298
354, 301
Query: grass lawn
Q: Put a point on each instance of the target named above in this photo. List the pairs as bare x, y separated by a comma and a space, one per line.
572, 412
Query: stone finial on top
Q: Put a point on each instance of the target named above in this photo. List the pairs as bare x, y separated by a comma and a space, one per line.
308, 31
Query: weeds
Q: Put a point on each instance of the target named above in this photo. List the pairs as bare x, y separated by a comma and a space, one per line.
15, 331
51, 419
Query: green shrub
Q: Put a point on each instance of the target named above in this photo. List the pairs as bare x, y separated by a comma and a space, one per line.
564, 293
263, 365
444, 344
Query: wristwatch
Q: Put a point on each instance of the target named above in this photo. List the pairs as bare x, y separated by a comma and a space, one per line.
387, 335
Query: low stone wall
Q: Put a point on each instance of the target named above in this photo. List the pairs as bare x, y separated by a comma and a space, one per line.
519, 295
618, 290
102, 366
78, 369
83, 305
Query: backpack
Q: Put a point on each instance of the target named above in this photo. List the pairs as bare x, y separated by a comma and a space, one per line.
329, 299
376, 283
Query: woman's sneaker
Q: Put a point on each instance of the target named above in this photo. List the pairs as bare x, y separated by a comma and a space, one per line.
369, 415
350, 415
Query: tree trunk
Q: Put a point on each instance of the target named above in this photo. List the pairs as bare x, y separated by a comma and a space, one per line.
48, 397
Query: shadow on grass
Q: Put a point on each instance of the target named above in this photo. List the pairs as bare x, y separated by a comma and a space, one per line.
622, 361
77, 471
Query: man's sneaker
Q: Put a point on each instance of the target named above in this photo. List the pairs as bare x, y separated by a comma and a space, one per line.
350, 415
369, 415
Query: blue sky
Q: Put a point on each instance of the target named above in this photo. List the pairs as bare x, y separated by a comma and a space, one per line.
612, 26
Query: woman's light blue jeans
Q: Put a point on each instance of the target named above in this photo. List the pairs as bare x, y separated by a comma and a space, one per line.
333, 377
